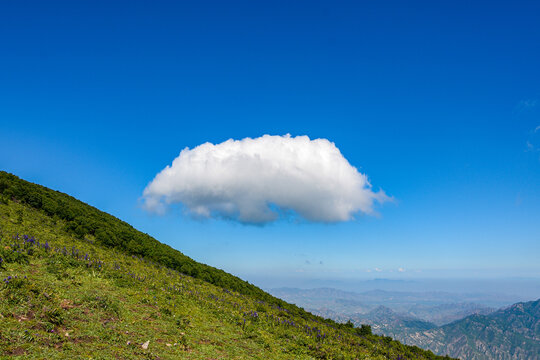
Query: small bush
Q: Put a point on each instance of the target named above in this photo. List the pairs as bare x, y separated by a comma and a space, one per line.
182, 322
54, 316
10, 255
102, 302
364, 330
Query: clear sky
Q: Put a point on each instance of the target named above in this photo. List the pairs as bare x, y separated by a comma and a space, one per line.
437, 102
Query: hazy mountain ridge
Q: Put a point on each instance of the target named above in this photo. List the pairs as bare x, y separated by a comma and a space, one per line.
508, 334
436, 307
447, 313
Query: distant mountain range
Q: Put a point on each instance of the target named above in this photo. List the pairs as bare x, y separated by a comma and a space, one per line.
438, 308
466, 330
512, 333
447, 313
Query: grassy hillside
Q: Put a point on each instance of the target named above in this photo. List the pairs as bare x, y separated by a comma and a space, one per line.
69, 292
82, 220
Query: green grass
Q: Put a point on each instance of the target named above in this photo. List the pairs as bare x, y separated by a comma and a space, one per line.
71, 297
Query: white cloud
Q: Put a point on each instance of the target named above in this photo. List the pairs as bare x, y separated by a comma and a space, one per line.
527, 104
256, 180
401, 270
378, 270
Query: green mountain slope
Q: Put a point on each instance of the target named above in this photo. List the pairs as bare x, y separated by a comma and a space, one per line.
82, 220
508, 334
79, 283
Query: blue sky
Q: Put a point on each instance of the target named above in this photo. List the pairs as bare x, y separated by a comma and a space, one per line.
436, 102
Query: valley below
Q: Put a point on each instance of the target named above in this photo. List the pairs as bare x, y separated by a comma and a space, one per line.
460, 325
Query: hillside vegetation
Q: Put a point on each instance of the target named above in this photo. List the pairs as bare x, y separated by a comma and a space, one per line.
79, 283
82, 220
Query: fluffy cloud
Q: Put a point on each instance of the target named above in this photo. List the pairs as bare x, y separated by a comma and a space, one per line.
258, 180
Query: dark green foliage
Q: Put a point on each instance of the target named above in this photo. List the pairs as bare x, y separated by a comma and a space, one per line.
364, 330
349, 324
